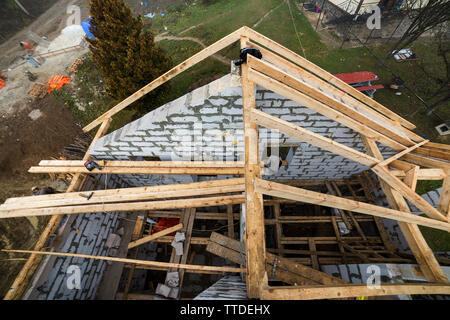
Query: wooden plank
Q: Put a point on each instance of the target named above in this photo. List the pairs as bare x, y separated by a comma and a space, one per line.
187, 246
409, 194
133, 261
132, 206
154, 236
422, 174
198, 57
402, 153
311, 67
312, 248
358, 110
134, 190
422, 252
278, 227
350, 290
315, 139
122, 198
435, 153
426, 162
254, 209
318, 101
338, 237
125, 170
444, 200
303, 195
146, 164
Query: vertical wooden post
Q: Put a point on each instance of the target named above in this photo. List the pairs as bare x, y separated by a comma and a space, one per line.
255, 240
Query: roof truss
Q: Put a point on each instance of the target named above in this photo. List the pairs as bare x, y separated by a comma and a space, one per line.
294, 77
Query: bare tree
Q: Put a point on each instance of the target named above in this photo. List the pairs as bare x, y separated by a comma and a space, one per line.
424, 17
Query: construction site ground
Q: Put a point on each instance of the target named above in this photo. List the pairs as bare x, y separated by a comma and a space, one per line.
24, 141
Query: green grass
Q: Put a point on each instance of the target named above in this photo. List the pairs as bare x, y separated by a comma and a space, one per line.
438, 240
424, 186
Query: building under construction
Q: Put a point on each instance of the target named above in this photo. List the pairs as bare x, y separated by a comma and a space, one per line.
187, 202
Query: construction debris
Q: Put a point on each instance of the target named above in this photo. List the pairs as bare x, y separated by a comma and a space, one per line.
75, 65
38, 90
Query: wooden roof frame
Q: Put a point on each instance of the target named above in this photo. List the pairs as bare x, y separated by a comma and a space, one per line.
290, 75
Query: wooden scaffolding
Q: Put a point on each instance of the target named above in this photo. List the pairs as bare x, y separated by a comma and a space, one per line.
290, 75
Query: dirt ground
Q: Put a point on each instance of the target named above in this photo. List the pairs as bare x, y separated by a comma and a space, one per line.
24, 143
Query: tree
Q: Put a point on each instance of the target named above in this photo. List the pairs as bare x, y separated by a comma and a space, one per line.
423, 18
125, 53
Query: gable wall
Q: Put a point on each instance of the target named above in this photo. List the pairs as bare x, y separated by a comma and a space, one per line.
215, 111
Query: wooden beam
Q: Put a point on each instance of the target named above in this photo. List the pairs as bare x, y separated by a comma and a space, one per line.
426, 162
133, 261
344, 217
350, 290
147, 164
324, 104
444, 200
432, 152
315, 139
196, 58
166, 189
134, 206
82, 198
303, 195
154, 236
151, 170
421, 250
409, 194
422, 174
402, 153
311, 67
254, 208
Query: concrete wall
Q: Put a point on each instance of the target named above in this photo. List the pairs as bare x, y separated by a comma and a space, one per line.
208, 122
83, 234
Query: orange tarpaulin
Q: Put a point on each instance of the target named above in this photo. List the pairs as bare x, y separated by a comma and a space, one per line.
2, 83
56, 82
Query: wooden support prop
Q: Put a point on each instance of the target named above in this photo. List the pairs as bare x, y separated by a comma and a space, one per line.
141, 262
198, 57
350, 290
303, 195
271, 122
422, 252
408, 193
311, 67
154, 236
132, 206
262, 71
402, 153
254, 208
344, 217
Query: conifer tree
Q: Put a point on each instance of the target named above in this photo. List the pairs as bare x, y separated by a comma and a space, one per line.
125, 53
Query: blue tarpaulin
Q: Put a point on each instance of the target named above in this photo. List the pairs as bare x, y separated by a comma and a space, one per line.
86, 25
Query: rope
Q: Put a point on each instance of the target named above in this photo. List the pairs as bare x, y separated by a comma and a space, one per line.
295, 28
